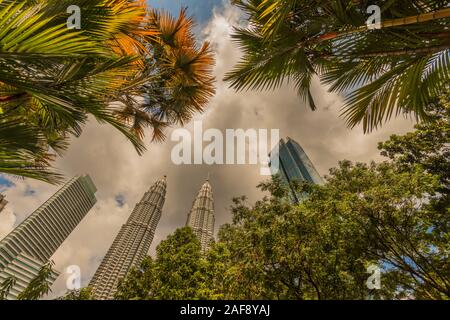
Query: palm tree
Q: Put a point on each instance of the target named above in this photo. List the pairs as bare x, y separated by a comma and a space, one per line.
181, 73
398, 68
6, 287
53, 78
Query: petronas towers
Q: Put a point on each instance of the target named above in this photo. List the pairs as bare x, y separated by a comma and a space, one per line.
201, 217
132, 243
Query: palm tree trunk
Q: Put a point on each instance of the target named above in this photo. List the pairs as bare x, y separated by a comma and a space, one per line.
424, 17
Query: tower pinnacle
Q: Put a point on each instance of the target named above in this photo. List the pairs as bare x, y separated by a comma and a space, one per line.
201, 217
132, 243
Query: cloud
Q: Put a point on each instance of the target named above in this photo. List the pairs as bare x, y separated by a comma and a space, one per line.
7, 221
117, 170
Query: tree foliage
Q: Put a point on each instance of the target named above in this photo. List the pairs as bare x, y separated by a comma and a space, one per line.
393, 215
178, 272
80, 294
396, 69
6, 287
128, 67
40, 285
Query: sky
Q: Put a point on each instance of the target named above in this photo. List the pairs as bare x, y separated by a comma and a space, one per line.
122, 177
200, 9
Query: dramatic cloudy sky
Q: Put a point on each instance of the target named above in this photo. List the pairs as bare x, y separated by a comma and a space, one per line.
121, 176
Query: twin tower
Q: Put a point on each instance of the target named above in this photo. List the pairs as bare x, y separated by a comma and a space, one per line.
133, 242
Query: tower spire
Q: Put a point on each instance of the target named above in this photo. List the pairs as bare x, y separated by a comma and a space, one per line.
132, 243
201, 217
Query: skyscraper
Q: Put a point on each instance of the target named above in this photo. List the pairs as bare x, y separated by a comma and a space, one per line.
132, 243
201, 217
31, 244
293, 164
3, 202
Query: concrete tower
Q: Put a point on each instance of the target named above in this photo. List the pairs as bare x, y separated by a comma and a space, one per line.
293, 164
201, 217
132, 243
32, 243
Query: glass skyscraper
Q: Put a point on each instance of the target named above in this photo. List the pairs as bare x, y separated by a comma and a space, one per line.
289, 160
32, 243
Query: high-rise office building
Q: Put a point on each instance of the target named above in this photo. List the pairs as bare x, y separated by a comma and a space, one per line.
289, 160
32, 243
201, 217
132, 243
3, 202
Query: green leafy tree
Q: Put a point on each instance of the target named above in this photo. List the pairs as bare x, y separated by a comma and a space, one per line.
398, 68
178, 272
393, 214
6, 287
320, 249
220, 274
428, 147
81, 294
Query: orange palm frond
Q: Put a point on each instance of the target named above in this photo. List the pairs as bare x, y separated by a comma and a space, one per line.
130, 26
175, 33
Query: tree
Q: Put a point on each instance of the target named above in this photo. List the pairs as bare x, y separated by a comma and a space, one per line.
40, 285
23, 152
81, 294
321, 249
53, 78
399, 68
427, 146
6, 287
180, 72
393, 215
177, 273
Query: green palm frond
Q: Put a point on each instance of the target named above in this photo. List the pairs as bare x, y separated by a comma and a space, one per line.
23, 153
127, 67
182, 82
397, 69
24, 32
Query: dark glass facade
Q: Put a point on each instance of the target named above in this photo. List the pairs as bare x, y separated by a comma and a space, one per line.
289, 160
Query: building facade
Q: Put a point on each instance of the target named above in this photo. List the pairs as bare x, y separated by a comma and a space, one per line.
293, 164
3, 202
201, 217
32, 243
132, 243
